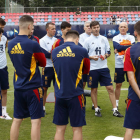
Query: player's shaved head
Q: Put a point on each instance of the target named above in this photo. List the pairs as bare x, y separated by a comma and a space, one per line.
72, 34
25, 21
48, 24
137, 28
123, 28
123, 24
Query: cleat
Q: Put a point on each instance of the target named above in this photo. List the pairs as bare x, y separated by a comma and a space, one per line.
98, 113
7, 117
94, 108
117, 114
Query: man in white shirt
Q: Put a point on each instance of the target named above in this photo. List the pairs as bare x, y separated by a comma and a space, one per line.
99, 50
120, 43
4, 82
46, 43
82, 38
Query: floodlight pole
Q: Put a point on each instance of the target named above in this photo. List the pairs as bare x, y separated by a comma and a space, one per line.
109, 1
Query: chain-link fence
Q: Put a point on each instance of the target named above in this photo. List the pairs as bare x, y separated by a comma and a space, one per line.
13, 7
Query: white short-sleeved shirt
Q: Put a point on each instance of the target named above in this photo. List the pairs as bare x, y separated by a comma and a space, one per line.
46, 43
3, 60
97, 45
119, 38
83, 37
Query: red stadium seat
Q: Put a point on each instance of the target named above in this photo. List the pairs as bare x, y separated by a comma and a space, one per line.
132, 15
104, 22
133, 19
45, 19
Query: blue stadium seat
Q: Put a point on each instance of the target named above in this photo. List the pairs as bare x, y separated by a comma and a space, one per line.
42, 19
3, 17
89, 16
49, 16
137, 19
82, 22
108, 22
136, 15
56, 19
100, 16
71, 16
78, 19
9, 20
129, 16
100, 19
130, 22
107, 19
32, 16
64, 19
49, 19
101, 22
96, 19
38, 23
71, 22
71, 19
57, 23
133, 22
89, 19
129, 19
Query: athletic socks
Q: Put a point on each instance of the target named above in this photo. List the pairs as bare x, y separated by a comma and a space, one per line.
3, 110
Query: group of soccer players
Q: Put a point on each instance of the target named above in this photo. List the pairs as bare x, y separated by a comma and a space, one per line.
70, 61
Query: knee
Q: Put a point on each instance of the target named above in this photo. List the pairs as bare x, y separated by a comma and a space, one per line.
118, 85
94, 91
110, 90
4, 91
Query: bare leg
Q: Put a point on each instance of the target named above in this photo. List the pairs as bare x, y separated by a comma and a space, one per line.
14, 133
129, 134
94, 96
77, 133
35, 130
118, 90
4, 97
111, 95
60, 131
84, 84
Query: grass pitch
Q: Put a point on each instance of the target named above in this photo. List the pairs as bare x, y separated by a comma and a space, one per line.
96, 128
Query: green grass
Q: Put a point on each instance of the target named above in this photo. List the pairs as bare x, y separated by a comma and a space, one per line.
96, 128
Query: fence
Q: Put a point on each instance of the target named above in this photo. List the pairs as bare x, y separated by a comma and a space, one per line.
20, 9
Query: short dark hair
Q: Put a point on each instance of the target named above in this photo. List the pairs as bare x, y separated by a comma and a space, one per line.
65, 24
72, 34
24, 20
94, 23
137, 27
49, 23
1, 30
2, 22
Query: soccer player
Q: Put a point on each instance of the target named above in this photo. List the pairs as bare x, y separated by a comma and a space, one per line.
65, 27
99, 50
26, 56
4, 83
132, 66
120, 43
47, 73
32, 37
69, 62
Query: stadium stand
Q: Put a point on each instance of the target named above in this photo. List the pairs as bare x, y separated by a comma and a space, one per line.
41, 18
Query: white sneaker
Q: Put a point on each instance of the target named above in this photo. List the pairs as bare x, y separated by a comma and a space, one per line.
7, 117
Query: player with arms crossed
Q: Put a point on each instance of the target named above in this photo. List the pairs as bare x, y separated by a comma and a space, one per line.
120, 43
132, 66
26, 56
46, 43
99, 50
69, 62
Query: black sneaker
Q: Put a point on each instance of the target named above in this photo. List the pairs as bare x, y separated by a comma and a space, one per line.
98, 113
117, 114
94, 108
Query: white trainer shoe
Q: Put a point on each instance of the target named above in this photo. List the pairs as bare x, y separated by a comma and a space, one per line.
6, 117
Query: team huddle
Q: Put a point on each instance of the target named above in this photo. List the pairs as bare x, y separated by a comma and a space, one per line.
70, 61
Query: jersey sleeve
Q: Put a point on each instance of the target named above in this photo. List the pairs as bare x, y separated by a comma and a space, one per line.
86, 66
55, 44
107, 47
86, 45
39, 55
128, 66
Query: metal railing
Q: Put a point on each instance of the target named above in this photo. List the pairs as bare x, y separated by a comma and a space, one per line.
69, 9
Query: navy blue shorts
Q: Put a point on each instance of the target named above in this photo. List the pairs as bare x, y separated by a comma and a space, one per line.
4, 78
73, 108
100, 75
28, 104
85, 77
0, 103
119, 76
47, 76
132, 116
